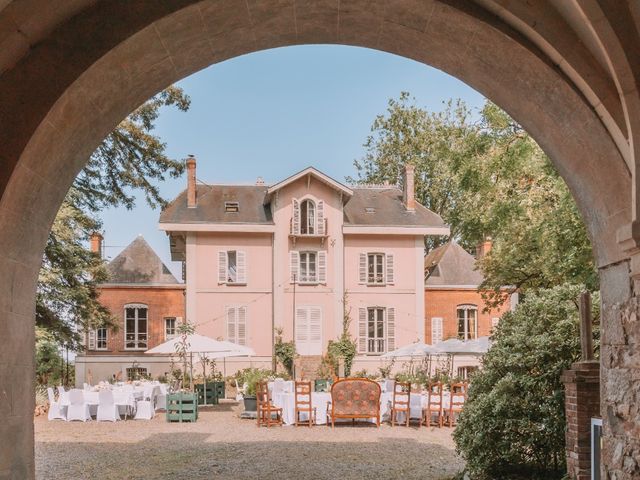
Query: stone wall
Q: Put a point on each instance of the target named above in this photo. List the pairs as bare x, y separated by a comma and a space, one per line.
620, 359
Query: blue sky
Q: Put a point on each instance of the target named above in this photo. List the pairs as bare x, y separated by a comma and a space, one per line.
275, 112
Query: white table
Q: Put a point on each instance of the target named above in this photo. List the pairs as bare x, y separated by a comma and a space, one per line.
287, 401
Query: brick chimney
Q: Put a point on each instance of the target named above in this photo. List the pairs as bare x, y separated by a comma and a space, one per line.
96, 243
191, 182
484, 247
409, 194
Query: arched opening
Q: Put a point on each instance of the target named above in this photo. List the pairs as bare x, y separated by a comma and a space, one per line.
307, 217
56, 124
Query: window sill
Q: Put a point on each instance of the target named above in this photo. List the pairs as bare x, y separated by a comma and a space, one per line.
234, 284
377, 284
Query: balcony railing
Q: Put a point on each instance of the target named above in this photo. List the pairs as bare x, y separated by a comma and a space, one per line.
308, 234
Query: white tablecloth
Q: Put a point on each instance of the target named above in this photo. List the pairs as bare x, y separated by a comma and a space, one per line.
286, 401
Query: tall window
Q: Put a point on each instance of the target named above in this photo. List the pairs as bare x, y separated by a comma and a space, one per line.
467, 322
232, 267
169, 328
307, 217
101, 339
375, 330
237, 324
135, 320
375, 268
308, 267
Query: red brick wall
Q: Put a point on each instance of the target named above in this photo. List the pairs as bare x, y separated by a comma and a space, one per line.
161, 302
444, 303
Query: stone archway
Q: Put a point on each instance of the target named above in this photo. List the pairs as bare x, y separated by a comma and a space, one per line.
567, 73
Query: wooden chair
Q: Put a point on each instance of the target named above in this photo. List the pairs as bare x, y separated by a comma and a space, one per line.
434, 404
266, 409
458, 393
304, 404
354, 398
401, 402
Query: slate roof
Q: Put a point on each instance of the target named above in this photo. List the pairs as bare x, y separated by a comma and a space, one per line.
451, 264
210, 205
388, 209
138, 263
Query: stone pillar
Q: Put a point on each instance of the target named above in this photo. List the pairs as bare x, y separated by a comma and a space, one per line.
620, 374
582, 402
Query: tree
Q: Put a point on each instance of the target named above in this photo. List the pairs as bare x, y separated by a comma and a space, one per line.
49, 361
486, 178
129, 160
513, 423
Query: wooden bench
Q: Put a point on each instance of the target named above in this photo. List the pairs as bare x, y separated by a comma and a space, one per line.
355, 398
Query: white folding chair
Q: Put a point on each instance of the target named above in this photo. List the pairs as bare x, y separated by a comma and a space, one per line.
78, 409
63, 396
56, 411
107, 409
144, 410
239, 391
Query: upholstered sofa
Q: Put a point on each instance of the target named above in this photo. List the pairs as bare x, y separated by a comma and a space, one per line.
355, 398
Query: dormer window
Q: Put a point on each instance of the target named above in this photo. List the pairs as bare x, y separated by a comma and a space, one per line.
369, 210
307, 217
231, 207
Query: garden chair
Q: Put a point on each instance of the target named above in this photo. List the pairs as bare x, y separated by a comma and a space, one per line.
303, 404
78, 409
354, 398
266, 409
63, 396
458, 393
144, 410
108, 411
401, 402
239, 391
434, 404
56, 411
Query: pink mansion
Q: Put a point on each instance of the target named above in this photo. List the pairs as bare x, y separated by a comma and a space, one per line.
263, 257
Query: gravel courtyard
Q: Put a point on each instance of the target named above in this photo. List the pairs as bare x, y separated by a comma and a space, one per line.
222, 446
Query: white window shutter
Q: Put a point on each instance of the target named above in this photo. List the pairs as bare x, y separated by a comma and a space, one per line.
390, 274
391, 329
436, 330
294, 266
363, 268
91, 342
231, 324
222, 266
241, 325
302, 325
296, 217
322, 266
241, 266
362, 330
320, 218
315, 324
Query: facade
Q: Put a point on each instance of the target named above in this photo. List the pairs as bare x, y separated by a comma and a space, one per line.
285, 257
147, 303
454, 307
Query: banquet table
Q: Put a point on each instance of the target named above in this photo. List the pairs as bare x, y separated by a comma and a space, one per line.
286, 401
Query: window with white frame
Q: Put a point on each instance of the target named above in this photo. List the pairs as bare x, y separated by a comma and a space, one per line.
135, 330
467, 322
101, 339
170, 328
465, 372
307, 217
376, 331
436, 330
236, 319
376, 268
232, 267
308, 267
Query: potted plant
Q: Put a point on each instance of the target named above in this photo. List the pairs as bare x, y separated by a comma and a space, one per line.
249, 379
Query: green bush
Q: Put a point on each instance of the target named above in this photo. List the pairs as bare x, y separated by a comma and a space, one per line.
513, 423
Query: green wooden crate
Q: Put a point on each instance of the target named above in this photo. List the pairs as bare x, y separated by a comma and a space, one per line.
215, 391
182, 407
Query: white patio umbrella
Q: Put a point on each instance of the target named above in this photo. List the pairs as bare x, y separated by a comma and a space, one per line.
479, 346
204, 346
417, 349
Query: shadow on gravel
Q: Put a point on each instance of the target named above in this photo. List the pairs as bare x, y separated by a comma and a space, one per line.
195, 456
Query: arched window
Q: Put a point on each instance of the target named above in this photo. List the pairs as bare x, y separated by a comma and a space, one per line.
467, 322
307, 217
